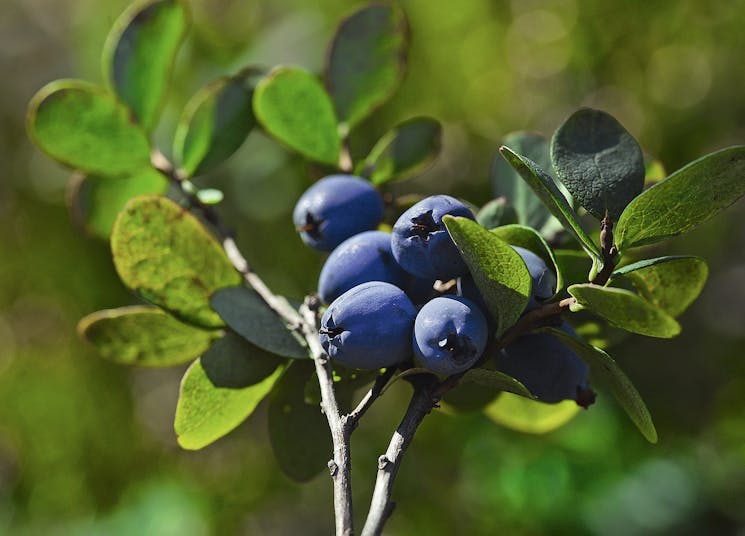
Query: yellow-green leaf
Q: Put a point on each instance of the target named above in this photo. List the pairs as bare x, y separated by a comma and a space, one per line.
530, 416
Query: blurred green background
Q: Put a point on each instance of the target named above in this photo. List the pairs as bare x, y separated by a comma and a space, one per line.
87, 447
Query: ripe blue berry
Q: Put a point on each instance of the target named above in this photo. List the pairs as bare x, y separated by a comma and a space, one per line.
369, 326
450, 334
421, 243
544, 280
336, 208
549, 369
362, 258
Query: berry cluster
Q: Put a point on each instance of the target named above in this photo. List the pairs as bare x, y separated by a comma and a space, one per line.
384, 303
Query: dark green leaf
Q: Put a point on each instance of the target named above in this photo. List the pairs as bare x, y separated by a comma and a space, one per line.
496, 212
469, 397
164, 253
684, 200
573, 265
544, 186
83, 127
605, 369
221, 389
498, 270
246, 313
599, 162
144, 336
495, 380
670, 283
140, 52
292, 105
215, 123
366, 61
530, 416
96, 201
525, 237
507, 182
626, 310
298, 431
407, 149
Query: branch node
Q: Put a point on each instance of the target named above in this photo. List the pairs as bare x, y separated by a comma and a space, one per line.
383, 462
333, 468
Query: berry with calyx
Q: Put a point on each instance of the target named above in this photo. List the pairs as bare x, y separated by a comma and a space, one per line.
421, 243
359, 259
450, 335
369, 326
336, 208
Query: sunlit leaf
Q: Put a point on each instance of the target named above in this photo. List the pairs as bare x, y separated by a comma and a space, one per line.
144, 336
626, 310
84, 127
221, 389
498, 270
530, 416
574, 265
684, 200
165, 254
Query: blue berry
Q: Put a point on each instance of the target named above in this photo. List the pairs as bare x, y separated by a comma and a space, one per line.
421, 243
549, 369
336, 208
362, 258
450, 335
544, 279
369, 326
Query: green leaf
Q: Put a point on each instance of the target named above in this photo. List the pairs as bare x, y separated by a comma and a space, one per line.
507, 182
96, 201
496, 380
366, 61
165, 254
139, 54
498, 270
545, 188
530, 416
626, 310
144, 336
221, 389
670, 283
298, 431
606, 370
573, 266
83, 127
599, 162
292, 105
497, 212
469, 397
407, 149
246, 313
684, 200
525, 237
215, 123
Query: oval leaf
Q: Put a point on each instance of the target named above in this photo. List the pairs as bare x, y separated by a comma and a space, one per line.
221, 389
530, 416
298, 431
292, 105
96, 201
497, 212
525, 237
684, 200
507, 182
606, 370
496, 380
83, 127
144, 336
626, 310
498, 270
573, 266
599, 162
467, 398
545, 188
407, 149
165, 254
215, 123
246, 313
670, 283
366, 61
140, 52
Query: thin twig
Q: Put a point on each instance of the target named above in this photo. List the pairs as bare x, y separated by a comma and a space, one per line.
353, 418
